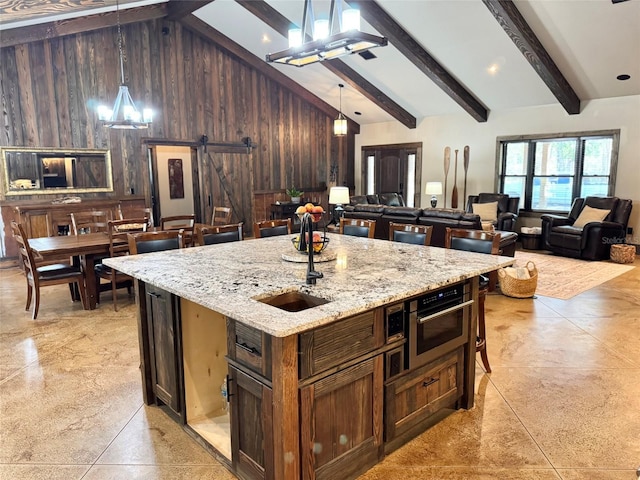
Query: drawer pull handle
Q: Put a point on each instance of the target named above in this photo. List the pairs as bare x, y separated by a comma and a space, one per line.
153, 294
455, 308
247, 348
430, 382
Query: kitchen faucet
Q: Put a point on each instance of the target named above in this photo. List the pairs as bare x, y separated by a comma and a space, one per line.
306, 226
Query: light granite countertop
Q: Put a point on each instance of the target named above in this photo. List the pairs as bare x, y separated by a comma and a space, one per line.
366, 273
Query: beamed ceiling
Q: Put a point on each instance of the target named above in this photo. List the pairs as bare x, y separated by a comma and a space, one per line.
444, 57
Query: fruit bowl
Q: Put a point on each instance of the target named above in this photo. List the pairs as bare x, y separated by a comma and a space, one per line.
320, 242
316, 211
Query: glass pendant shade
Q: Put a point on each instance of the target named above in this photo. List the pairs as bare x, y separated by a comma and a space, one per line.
340, 126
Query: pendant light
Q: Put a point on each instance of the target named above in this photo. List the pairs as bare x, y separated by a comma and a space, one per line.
340, 123
124, 114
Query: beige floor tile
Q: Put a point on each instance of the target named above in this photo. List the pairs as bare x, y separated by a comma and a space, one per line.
489, 435
580, 418
65, 415
595, 474
382, 472
151, 437
547, 342
516, 308
155, 472
42, 472
598, 302
622, 335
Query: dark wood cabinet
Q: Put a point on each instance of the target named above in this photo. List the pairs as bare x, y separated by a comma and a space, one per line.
251, 426
163, 320
341, 422
413, 398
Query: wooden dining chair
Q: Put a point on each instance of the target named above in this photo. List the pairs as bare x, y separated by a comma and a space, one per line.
89, 222
272, 228
56, 274
118, 246
146, 242
221, 216
479, 241
409, 233
186, 223
137, 213
213, 234
357, 227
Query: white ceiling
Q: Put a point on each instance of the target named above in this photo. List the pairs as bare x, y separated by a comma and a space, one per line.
591, 41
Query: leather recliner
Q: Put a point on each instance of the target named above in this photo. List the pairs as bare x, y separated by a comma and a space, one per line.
507, 213
594, 240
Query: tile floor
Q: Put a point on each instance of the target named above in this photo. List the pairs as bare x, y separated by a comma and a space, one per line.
563, 401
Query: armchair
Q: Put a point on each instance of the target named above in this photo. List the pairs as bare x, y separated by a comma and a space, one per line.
591, 240
507, 211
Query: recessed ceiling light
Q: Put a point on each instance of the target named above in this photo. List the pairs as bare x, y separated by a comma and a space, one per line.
623, 77
357, 113
367, 55
265, 38
493, 69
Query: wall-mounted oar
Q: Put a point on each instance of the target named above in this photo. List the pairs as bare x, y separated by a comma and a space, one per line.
466, 167
447, 162
454, 192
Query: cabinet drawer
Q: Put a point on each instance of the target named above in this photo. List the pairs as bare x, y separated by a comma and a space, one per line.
250, 347
421, 393
331, 345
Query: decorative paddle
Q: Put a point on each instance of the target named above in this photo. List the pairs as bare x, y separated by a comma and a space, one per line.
454, 192
447, 162
466, 167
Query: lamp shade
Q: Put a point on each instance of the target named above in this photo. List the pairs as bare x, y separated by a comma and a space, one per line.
339, 195
433, 188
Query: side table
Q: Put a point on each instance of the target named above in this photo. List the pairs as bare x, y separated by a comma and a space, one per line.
531, 241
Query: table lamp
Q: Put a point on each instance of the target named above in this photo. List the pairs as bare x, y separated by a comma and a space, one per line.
338, 196
433, 189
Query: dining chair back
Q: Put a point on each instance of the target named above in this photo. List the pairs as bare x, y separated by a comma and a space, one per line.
92, 221
221, 216
118, 246
45, 275
146, 242
138, 212
272, 228
409, 233
186, 223
213, 234
357, 227
479, 241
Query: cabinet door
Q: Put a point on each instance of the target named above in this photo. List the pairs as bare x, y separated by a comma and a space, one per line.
341, 422
413, 398
164, 346
251, 426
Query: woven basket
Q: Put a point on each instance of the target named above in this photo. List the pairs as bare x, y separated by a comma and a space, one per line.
517, 287
621, 253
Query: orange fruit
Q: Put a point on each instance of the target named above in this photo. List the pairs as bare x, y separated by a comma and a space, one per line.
301, 210
309, 206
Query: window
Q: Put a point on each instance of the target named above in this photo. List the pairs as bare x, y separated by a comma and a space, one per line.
548, 172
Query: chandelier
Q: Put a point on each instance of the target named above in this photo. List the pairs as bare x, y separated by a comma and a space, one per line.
326, 45
124, 114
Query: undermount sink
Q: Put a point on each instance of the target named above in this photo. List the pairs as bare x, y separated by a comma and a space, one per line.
293, 301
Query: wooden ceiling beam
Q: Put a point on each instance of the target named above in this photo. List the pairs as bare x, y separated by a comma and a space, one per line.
177, 9
60, 28
516, 27
196, 25
281, 24
379, 19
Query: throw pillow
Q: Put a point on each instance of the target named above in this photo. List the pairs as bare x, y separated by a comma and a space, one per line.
488, 211
589, 214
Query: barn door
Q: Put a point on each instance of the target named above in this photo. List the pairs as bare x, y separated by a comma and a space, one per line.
227, 181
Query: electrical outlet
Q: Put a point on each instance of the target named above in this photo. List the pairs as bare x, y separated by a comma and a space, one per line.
629, 230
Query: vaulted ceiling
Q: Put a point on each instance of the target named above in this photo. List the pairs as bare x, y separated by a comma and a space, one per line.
444, 57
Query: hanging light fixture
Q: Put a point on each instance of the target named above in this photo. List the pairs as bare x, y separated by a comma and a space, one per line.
124, 113
325, 44
340, 123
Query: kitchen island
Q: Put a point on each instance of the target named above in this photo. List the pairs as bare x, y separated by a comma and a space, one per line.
317, 385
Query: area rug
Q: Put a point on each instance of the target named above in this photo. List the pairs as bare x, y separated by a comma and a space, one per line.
563, 278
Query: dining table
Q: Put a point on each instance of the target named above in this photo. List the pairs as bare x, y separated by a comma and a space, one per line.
86, 247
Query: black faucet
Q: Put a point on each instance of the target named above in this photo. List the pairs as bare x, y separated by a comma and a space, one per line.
306, 226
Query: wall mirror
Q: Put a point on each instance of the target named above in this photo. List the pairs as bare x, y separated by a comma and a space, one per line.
31, 171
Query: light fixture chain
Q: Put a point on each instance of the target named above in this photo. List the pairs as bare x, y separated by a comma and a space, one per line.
120, 43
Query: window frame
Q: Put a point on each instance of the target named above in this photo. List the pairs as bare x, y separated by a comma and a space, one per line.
577, 175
